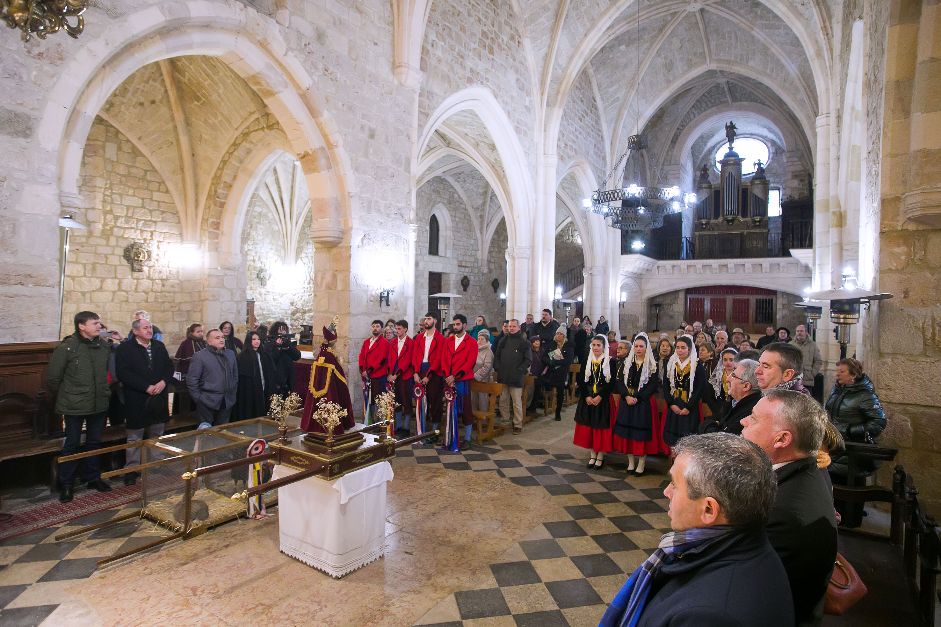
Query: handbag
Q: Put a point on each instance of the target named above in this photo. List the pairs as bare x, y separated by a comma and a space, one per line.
845, 588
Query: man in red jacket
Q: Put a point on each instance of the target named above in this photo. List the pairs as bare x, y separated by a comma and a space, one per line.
401, 377
427, 353
460, 355
375, 363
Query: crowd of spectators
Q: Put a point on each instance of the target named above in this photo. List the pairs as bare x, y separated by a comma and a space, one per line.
754, 449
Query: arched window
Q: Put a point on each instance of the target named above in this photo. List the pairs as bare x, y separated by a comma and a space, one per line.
749, 149
434, 236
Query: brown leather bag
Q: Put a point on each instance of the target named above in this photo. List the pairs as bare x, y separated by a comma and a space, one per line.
845, 588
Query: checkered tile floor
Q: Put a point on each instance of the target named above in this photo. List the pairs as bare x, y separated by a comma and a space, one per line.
35, 567
564, 571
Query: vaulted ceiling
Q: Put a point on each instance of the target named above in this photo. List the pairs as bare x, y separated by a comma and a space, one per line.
184, 114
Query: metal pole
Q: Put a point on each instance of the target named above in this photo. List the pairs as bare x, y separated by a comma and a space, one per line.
65, 260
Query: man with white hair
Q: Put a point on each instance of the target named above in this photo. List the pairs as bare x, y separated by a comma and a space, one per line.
142, 314
789, 427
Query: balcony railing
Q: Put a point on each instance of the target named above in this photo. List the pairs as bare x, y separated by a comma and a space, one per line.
572, 278
796, 234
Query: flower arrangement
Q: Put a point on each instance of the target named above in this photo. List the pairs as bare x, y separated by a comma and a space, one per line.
281, 407
329, 415
386, 404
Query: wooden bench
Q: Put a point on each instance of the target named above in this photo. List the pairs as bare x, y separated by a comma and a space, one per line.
900, 569
485, 419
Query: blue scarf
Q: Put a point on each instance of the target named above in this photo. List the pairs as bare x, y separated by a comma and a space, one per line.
626, 608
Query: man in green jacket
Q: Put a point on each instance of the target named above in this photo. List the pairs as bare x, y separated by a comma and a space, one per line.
77, 377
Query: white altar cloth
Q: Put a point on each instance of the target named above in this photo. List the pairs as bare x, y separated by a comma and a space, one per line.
334, 526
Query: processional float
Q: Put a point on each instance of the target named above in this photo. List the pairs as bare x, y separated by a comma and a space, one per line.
190, 481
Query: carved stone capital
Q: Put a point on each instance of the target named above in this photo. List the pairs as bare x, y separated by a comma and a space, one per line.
923, 206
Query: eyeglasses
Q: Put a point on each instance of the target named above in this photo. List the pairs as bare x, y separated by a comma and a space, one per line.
735, 376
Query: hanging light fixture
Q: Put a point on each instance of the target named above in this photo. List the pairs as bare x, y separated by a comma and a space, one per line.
634, 208
44, 17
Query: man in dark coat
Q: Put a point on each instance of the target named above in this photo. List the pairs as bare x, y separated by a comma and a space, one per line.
781, 366
789, 426
545, 329
510, 362
213, 381
77, 378
743, 388
146, 374
716, 567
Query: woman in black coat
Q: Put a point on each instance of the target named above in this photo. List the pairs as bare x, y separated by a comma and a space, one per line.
256, 378
559, 358
581, 347
231, 342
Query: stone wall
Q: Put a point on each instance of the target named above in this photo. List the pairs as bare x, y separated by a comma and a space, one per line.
127, 202
580, 133
672, 310
477, 43
282, 292
460, 254
908, 366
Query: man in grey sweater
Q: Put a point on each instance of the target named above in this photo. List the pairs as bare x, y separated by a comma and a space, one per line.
213, 381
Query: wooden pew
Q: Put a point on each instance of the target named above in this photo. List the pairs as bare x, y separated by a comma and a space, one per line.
485, 418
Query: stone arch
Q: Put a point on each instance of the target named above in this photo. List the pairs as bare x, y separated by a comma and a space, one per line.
590, 226
511, 173
250, 44
812, 38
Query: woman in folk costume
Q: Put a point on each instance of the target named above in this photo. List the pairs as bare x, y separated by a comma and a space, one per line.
592, 414
638, 430
717, 394
687, 379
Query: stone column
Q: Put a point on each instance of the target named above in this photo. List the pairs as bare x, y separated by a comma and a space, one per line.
922, 203
593, 292
518, 273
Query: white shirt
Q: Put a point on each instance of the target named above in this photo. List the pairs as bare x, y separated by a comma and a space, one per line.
427, 347
458, 339
401, 345
372, 341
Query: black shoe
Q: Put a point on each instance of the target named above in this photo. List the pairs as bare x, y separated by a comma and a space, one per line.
558, 417
598, 464
100, 485
464, 445
65, 494
131, 478
591, 463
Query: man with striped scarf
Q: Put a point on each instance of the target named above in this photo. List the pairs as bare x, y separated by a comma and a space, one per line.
716, 567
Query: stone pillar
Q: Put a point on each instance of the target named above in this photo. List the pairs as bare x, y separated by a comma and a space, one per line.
906, 369
593, 291
518, 273
922, 203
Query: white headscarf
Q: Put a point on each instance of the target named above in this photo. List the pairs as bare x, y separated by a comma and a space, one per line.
605, 359
693, 360
716, 377
650, 364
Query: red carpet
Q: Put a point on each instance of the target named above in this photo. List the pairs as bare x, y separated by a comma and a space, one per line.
55, 513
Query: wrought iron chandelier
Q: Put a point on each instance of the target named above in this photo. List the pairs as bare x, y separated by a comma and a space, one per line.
634, 208
44, 17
